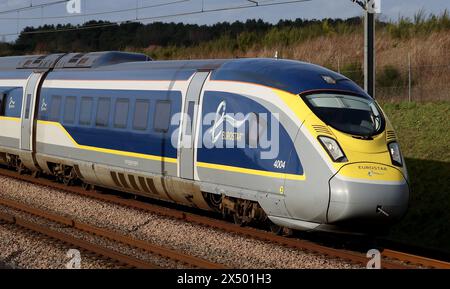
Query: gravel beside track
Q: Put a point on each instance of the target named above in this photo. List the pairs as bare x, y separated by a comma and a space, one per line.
217, 246
21, 249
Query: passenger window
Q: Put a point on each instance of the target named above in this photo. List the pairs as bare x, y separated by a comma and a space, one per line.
121, 113
12, 103
70, 109
103, 112
2, 104
162, 116
140, 121
55, 108
86, 110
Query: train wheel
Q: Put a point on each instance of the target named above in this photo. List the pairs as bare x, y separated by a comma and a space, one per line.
68, 176
280, 230
86, 186
238, 220
277, 230
21, 168
35, 174
66, 181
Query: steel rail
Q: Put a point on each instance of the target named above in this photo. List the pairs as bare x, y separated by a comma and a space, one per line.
65, 238
413, 259
354, 257
114, 236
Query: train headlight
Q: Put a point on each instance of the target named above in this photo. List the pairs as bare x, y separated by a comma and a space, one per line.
333, 149
396, 156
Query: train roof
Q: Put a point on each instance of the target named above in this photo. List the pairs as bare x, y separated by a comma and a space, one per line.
287, 75
69, 60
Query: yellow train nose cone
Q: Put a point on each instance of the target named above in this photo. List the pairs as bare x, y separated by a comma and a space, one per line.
371, 172
369, 192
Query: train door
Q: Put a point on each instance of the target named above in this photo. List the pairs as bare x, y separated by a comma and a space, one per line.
190, 115
30, 99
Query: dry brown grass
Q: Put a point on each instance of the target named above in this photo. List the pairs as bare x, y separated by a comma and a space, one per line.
430, 58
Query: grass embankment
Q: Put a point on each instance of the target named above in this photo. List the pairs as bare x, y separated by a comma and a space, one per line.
424, 133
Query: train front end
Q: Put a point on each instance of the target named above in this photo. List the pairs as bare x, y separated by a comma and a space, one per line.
369, 189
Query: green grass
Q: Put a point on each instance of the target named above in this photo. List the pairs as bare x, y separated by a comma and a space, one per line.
423, 130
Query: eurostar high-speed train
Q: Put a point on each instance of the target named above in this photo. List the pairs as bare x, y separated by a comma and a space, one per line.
254, 139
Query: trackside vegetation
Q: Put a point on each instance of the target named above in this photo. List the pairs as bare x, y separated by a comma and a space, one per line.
423, 131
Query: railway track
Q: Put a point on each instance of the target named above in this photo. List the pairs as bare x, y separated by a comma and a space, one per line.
413, 259
100, 251
129, 261
391, 259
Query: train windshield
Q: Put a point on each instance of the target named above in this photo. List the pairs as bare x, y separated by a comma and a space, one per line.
355, 115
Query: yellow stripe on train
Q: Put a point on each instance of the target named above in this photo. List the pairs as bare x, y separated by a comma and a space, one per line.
107, 151
251, 171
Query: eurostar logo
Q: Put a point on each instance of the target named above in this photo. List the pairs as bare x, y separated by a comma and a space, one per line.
221, 117
44, 105
373, 170
12, 104
372, 173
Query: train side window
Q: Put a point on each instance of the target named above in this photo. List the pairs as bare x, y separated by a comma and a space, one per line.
121, 113
2, 104
141, 111
103, 109
162, 116
13, 102
55, 108
70, 109
86, 110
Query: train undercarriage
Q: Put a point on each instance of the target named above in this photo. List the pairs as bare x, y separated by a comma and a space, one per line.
240, 211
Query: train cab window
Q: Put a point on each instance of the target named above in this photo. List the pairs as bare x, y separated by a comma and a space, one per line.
356, 115
121, 113
162, 116
141, 111
103, 109
55, 108
70, 109
86, 110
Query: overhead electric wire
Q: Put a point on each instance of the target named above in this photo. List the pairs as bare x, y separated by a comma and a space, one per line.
31, 6
115, 23
97, 13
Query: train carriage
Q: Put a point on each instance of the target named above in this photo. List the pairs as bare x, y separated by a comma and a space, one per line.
252, 138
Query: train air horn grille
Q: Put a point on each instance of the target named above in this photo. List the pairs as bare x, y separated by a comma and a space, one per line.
390, 135
320, 129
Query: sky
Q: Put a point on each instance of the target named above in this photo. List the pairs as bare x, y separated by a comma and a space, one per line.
13, 22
